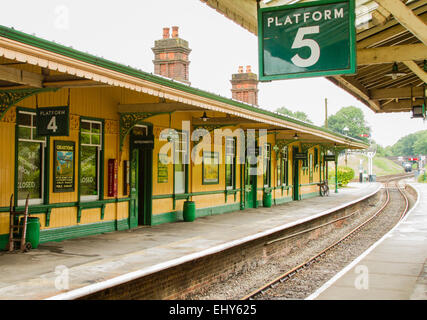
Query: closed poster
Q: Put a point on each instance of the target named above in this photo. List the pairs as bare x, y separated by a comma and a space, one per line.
63, 173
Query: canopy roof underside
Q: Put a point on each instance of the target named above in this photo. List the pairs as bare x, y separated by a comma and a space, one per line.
387, 32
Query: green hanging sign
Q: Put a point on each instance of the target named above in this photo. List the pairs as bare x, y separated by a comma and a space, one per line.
307, 40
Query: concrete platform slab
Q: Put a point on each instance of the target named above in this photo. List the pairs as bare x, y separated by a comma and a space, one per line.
102, 260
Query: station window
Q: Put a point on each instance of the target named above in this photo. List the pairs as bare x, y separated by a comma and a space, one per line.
90, 159
316, 157
282, 168
31, 160
230, 163
180, 162
267, 164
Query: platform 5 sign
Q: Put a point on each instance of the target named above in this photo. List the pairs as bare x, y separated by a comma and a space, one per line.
307, 40
53, 121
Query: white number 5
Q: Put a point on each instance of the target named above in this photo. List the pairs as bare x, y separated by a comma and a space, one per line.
299, 42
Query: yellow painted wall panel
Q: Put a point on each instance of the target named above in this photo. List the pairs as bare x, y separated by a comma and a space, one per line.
90, 216
7, 161
162, 206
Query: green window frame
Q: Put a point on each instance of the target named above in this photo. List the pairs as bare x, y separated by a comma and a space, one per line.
30, 160
230, 163
90, 159
180, 164
316, 157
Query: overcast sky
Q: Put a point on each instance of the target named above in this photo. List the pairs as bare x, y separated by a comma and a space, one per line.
125, 31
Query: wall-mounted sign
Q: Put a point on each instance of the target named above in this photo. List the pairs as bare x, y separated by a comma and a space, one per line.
143, 142
53, 121
329, 157
162, 168
113, 172
210, 167
63, 173
300, 156
307, 40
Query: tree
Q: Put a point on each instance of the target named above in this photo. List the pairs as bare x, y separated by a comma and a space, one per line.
352, 118
297, 114
420, 145
405, 145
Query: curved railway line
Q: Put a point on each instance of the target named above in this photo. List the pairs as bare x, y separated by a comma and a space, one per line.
392, 183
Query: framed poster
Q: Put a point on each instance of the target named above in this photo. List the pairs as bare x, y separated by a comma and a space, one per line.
210, 167
162, 168
64, 158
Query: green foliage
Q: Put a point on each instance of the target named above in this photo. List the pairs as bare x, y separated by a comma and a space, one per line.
420, 145
297, 114
345, 175
422, 178
352, 118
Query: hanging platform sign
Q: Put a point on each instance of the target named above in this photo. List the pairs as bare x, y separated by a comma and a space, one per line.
329, 157
307, 40
53, 121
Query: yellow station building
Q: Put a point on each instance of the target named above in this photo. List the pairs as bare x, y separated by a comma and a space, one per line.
127, 148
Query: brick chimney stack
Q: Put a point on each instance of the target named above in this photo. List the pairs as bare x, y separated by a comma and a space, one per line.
171, 56
245, 86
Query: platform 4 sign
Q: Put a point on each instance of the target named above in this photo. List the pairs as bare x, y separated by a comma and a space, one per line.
53, 121
307, 40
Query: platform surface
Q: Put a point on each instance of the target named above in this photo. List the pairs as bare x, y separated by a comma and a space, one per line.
395, 267
76, 267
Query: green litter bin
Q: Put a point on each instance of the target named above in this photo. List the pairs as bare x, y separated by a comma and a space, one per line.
33, 231
267, 200
189, 213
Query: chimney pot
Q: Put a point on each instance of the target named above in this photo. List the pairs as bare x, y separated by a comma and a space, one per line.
175, 32
240, 69
248, 69
165, 33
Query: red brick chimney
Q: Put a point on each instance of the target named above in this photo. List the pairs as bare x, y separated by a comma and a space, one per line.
171, 56
245, 86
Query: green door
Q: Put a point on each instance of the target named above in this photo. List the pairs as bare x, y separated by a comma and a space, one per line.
134, 188
250, 184
295, 175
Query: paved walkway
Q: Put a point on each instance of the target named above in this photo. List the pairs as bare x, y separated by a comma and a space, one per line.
393, 268
100, 261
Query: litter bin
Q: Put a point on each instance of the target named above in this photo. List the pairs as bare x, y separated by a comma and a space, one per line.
267, 199
33, 231
189, 213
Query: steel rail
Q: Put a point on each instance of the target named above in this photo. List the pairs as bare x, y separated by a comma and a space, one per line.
285, 276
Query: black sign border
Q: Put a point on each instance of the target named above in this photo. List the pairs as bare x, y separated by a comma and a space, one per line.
52, 134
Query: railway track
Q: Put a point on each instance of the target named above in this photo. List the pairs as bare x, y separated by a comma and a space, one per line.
391, 183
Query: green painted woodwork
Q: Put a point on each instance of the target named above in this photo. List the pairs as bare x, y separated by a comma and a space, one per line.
11, 97
134, 186
295, 174
307, 40
250, 184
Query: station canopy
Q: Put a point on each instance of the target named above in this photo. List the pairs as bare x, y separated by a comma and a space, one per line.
391, 44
